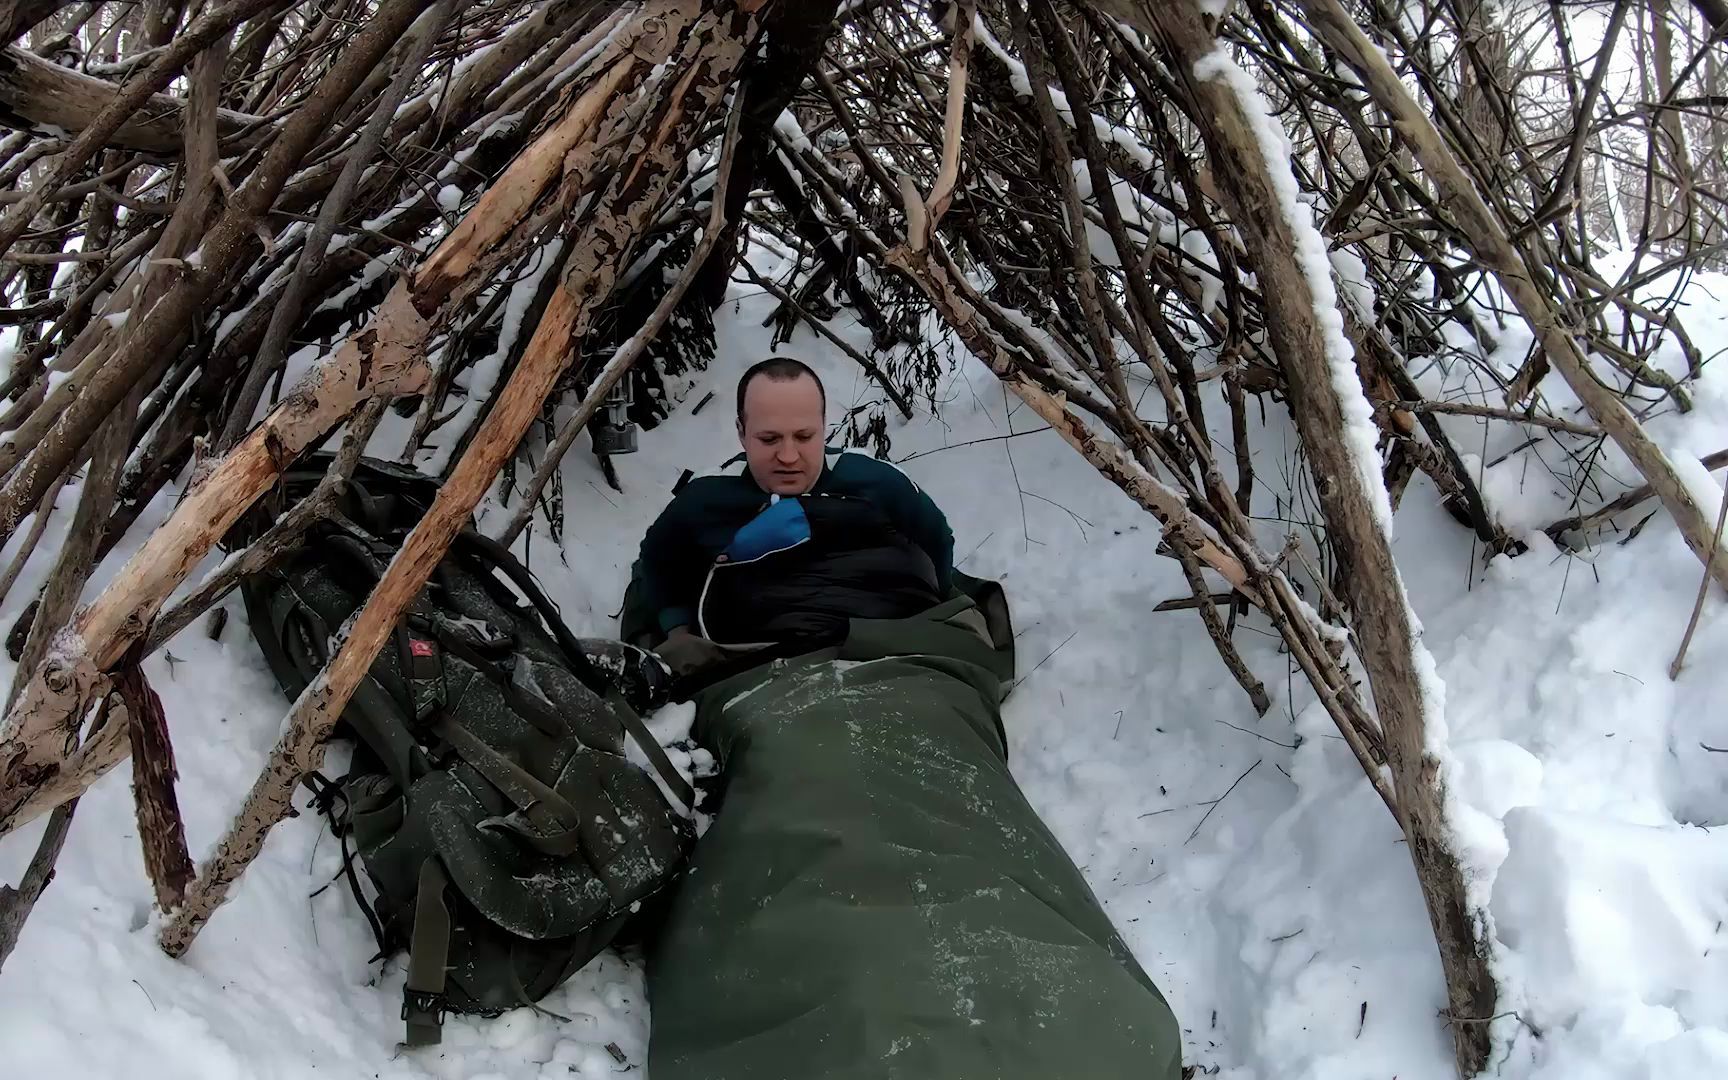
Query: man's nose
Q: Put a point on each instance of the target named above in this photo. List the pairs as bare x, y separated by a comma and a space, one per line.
786, 455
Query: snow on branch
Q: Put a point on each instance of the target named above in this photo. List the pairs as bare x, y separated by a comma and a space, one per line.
1359, 431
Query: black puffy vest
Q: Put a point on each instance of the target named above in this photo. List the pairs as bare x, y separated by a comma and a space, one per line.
783, 580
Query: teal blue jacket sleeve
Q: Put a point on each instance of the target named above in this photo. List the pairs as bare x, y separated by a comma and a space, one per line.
670, 569
916, 514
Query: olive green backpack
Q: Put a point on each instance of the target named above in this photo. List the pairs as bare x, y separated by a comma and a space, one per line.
507, 835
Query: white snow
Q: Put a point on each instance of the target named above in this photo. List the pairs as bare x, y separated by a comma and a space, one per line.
787, 125
1579, 772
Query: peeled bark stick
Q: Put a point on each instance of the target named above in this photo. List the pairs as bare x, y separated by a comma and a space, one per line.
76, 557
112, 442
387, 358
1385, 632
132, 96
282, 536
628, 353
696, 80
286, 314
1495, 249
56, 437
948, 174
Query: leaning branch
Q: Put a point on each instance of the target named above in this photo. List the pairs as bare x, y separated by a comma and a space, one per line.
35, 93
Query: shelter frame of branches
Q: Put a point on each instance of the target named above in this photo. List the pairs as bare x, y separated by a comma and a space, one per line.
486, 213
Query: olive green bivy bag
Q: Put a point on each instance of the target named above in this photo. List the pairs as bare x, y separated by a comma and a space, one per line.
875, 896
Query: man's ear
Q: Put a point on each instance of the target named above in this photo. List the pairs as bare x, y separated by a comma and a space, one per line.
740, 428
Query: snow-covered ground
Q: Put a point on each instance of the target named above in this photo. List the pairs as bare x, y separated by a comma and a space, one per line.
1283, 921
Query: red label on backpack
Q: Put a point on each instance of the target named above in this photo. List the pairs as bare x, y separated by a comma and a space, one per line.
416, 647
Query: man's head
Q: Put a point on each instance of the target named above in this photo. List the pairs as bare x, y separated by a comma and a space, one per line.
781, 421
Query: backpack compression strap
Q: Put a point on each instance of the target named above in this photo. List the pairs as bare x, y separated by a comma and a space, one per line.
519, 575
423, 1003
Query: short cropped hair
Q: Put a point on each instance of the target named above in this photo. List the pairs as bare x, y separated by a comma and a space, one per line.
779, 369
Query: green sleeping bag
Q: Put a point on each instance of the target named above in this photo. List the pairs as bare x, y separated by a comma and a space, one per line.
876, 898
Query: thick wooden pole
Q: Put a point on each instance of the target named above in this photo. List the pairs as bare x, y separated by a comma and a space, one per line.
1327, 405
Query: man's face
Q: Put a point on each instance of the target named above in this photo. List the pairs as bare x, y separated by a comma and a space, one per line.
781, 430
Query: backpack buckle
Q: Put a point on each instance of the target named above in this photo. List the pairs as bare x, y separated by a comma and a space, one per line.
424, 1007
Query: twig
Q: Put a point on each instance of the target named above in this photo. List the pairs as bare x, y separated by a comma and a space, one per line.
44, 511
1183, 603
1044, 661
1215, 803
1703, 591
1256, 734
1464, 408
28, 258
1220, 634
970, 442
1626, 501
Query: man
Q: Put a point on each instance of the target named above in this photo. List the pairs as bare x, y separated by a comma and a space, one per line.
800, 541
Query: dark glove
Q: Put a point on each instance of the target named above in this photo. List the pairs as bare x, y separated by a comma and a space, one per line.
642, 677
687, 654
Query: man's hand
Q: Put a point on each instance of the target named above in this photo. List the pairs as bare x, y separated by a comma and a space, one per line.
686, 654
